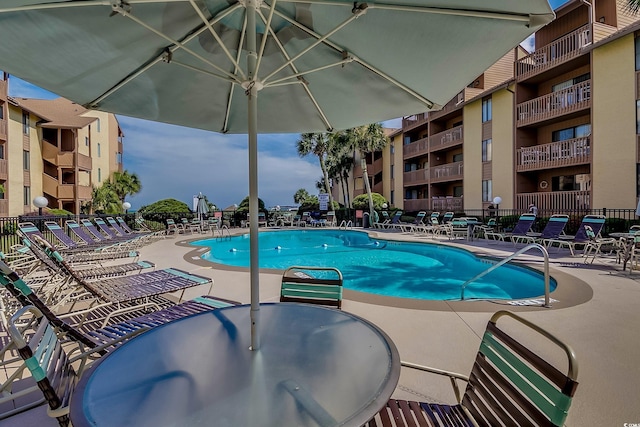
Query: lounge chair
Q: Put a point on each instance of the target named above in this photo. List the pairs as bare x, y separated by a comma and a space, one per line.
385, 220
553, 230
417, 223
312, 285
521, 228
581, 238
395, 220
510, 384
598, 246
112, 235
173, 227
331, 220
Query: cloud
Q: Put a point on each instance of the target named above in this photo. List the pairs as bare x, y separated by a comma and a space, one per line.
529, 43
177, 162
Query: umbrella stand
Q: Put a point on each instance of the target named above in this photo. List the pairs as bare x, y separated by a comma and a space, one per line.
252, 95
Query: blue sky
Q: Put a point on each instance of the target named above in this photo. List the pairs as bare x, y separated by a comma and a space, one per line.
178, 162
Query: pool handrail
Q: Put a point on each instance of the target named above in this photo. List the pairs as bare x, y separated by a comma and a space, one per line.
538, 246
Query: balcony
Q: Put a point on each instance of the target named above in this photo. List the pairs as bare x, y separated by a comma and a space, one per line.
448, 172
4, 169
4, 207
555, 200
3, 128
416, 149
64, 159
560, 154
417, 177
416, 205
414, 121
51, 186
556, 104
553, 54
447, 204
447, 139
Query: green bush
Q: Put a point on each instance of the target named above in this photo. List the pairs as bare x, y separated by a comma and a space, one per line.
163, 209
362, 201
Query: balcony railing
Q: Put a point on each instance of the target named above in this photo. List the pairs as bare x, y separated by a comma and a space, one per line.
571, 152
561, 50
3, 126
416, 148
417, 177
4, 169
4, 207
555, 200
448, 172
555, 104
448, 138
445, 204
64, 159
414, 120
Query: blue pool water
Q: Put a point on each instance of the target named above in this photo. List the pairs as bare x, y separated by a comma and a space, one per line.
398, 269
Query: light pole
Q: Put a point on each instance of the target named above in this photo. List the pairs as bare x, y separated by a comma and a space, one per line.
126, 206
496, 201
40, 202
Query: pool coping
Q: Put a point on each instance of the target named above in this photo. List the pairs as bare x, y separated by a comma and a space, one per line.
570, 290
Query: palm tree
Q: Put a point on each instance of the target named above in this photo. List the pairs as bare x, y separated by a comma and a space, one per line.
300, 196
365, 139
317, 144
340, 163
105, 200
125, 184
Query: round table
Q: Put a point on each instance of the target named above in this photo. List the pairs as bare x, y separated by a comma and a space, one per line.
316, 366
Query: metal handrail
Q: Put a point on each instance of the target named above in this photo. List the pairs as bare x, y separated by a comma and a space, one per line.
509, 258
221, 231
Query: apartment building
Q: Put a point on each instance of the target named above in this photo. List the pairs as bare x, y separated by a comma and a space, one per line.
53, 148
556, 127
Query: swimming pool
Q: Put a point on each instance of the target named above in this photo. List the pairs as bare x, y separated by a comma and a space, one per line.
398, 269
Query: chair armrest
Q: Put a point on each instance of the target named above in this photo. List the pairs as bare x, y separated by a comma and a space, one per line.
453, 376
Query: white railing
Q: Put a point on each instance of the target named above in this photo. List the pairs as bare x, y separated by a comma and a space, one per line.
553, 155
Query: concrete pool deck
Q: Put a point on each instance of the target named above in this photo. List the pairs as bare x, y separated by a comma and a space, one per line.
597, 313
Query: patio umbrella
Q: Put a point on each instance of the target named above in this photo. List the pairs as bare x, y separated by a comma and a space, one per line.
202, 208
317, 65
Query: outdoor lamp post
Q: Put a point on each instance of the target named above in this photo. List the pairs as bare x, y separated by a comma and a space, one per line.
496, 201
40, 202
385, 206
126, 206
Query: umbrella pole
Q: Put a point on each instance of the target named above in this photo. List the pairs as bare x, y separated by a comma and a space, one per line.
252, 95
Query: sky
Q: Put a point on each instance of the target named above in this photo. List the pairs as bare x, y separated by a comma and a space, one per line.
178, 162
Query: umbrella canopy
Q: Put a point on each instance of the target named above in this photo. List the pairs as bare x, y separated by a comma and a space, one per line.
202, 208
316, 65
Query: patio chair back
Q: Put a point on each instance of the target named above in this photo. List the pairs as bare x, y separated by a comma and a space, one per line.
312, 285
524, 224
554, 227
510, 384
79, 232
123, 225
447, 217
105, 228
331, 219
47, 361
59, 234
91, 228
596, 222
396, 217
114, 224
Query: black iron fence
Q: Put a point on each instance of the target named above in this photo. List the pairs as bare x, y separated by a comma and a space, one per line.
617, 220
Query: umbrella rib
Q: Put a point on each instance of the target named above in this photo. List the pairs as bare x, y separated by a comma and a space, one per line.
331, 44
319, 41
217, 37
323, 116
474, 13
311, 71
265, 37
166, 56
227, 114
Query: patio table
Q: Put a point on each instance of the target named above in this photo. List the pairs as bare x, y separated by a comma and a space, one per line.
629, 243
316, 366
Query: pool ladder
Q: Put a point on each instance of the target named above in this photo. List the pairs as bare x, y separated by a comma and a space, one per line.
511, 257
220, 232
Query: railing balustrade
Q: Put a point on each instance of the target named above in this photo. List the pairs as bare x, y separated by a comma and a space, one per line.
448, 138
574, 98
420, 176
560, 50
447, 172
416, 148
553, 155
556, 200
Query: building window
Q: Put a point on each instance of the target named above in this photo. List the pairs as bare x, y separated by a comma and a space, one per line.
1, 110
86, 141
638, 116
392, 148
98, 125
457, 191
99, 151
2, 151
457, 157
4, 185
119, 158
406, 140
99, 175
486, 150
487, 191
486, 110
392, 197
580, 131
25, 160
27, 196
25, 123
391, 172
